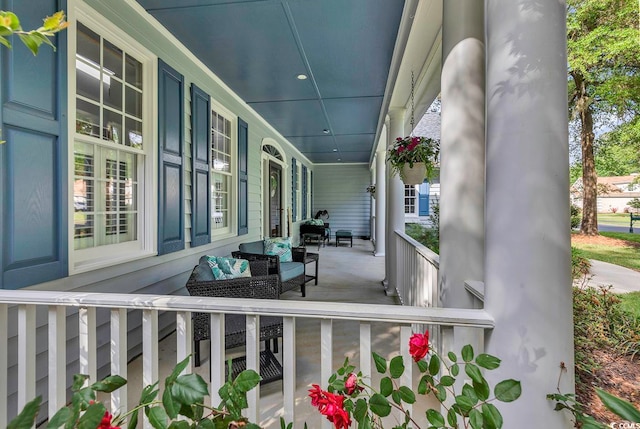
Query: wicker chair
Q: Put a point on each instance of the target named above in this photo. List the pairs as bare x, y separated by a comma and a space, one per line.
287, 282
259, 285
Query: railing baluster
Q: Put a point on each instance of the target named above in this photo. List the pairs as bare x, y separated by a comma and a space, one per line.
407, 376
289, 368
326, 357
4, 347
119, 357
57, 376
217, 363
365, 348
26, 354
183, 338
253, 362
149, 350
87, 342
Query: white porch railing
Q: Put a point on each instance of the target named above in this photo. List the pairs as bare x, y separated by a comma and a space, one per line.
417, 282
18, 310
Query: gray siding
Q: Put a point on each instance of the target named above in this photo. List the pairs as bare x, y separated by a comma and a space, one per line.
341, 190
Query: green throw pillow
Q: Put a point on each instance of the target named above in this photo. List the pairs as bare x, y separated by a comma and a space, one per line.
280, 246
228, 268
317, 222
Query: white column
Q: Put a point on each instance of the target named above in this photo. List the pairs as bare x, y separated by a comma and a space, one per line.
462, 151
380, 201
528, 268
395, 202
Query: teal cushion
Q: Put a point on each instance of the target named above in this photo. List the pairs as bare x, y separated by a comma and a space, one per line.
252, 247
280, 246
228, 268
289, 270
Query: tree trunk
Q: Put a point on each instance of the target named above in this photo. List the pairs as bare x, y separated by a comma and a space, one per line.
589, 224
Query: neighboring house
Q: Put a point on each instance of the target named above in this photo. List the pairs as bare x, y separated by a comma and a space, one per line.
614, 192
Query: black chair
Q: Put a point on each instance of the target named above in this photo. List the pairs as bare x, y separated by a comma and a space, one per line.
259, 285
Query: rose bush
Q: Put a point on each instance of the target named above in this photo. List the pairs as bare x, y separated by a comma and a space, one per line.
349, 398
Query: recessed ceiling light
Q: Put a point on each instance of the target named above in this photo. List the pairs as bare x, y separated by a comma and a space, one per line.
339, 159
335, 150
326, 131
301, 76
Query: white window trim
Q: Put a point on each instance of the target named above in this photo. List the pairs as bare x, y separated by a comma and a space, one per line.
109, 255
232, 228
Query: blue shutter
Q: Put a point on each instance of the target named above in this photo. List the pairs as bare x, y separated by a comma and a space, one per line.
200, 170
294, 185
423, 200
170, 171
304, 192
311, 193
33, 162
243, 177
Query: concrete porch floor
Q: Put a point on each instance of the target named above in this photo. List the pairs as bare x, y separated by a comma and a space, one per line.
346, 274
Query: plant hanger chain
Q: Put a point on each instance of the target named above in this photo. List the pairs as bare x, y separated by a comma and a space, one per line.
412, 103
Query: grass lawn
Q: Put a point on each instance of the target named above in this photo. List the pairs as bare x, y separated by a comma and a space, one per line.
615, 219
625, 256
631, 303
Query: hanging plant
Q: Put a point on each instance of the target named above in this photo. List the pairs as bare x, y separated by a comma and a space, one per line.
372, 190
409, 153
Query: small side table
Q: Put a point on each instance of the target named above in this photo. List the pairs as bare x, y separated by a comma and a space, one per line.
344, 234
311, 257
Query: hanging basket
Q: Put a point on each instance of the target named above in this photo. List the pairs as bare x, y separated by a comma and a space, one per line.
413, 175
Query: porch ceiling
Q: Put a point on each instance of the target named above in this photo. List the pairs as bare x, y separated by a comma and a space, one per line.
258, 47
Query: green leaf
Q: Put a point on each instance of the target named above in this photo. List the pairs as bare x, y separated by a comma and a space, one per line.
467, 353
434, 365
92, 416
386, 386
190, 389
474, 373
78, 381
435, 418
149, 393
360, 410
452, 418
5, 42
422, 386
177, 370
27, 416
381, 363
470, 393
454, 370
507, 390
109, 384
447, 380
396, 367
169, 405
452, 357
407, 395
244, 382
465, 403
379, 405
133, 420
182, 424
619, 406
482, 390
59, 418
491, 417
441, 393
85, 396
395, 395
30, 42
157, 417
475, 419
487, 361
422, 365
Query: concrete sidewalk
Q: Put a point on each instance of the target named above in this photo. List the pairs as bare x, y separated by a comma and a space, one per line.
623, 280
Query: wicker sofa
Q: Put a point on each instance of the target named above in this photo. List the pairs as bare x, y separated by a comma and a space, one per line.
260, 285
291, 274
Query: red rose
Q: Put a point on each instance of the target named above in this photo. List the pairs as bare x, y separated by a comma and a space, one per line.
315, 394
419, 346
331, 406
105, 423
351, 384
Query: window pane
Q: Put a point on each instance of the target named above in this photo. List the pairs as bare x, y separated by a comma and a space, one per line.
112, 130
87, 80
112, 59
133, 72
113, 94
133, 133
88, 44
87, 118
133, 102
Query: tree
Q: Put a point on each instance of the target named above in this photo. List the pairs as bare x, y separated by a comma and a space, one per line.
604, 79
10, 24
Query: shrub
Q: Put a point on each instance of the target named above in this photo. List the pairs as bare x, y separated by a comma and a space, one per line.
579, 264
576, 216
428, 237
614, 209
635, 203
